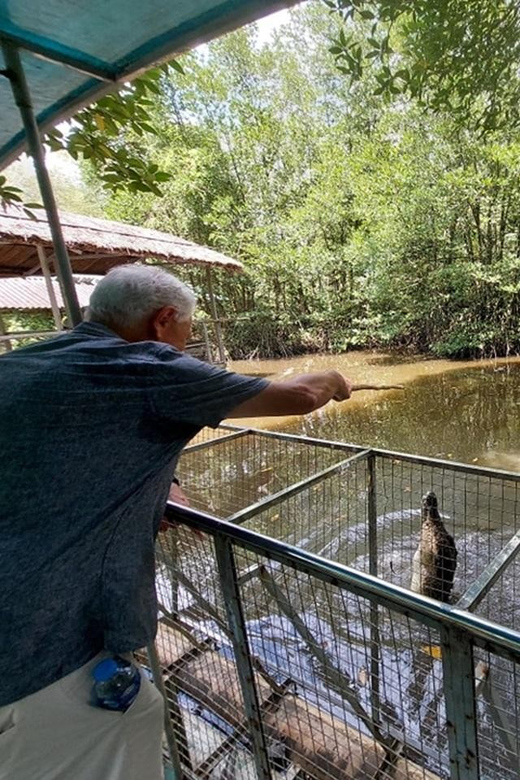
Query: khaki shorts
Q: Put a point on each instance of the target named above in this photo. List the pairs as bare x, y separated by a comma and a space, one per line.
57, 734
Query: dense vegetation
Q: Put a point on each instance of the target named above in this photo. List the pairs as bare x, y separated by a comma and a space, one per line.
370, 205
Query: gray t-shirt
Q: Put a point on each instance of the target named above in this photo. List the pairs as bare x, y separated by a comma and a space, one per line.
91, 427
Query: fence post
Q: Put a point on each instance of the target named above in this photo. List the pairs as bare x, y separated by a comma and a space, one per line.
207, 344
235, 616
375, 640
459, 693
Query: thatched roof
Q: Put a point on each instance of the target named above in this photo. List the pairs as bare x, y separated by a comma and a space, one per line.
30, 294
95, 245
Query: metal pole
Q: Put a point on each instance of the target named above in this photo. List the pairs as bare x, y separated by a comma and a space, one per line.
50, 289
16, 76
459, 692
168, 726
375, 639
231, 592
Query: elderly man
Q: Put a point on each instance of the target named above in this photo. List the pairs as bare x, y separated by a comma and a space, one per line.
92, 424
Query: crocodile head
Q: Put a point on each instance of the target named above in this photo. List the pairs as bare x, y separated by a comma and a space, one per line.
430, 505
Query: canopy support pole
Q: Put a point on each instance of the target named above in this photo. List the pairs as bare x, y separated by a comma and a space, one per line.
50, 289
16, 76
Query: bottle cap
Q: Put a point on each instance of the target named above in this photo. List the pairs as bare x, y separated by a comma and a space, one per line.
104, 670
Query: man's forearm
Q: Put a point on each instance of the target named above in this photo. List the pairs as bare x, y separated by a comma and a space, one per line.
299, 395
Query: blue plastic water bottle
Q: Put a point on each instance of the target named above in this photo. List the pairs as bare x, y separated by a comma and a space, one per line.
116, 683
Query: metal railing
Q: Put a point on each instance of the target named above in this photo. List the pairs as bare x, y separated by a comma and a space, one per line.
279, 662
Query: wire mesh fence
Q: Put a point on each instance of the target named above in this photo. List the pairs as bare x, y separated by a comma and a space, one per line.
274, 668
238, 469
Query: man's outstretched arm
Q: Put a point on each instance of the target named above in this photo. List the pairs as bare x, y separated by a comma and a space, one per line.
300, 395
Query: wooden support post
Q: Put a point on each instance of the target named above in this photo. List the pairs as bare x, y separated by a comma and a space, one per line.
44, 265
214, 313
207, 343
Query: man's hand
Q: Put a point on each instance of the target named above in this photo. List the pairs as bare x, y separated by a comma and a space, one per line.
345, 388
177, 496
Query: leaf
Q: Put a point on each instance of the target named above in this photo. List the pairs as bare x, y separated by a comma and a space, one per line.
148, 128
177, 66
100, 121
29, 213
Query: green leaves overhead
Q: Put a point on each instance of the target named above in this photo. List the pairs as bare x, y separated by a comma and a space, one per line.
114, 135
11, 195
456, 56
361, 218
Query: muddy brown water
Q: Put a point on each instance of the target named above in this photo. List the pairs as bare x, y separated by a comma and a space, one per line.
458, 410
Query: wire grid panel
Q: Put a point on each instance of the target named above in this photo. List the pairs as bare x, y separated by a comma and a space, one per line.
233, 474
497, 687
342, 688
328, 518
365, 685
502, 603
480, 511
205, 701
207, 435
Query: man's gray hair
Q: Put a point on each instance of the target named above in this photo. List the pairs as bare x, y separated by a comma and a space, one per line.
129, 294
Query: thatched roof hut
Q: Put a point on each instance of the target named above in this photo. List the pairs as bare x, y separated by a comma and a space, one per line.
95, 245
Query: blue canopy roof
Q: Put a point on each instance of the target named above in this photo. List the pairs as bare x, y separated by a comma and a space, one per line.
74, 51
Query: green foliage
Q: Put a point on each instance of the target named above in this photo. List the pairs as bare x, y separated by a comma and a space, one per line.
12, 195
27, 321
112, 134
459, 56
361, 218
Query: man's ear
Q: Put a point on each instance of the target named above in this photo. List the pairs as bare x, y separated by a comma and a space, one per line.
161, 320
